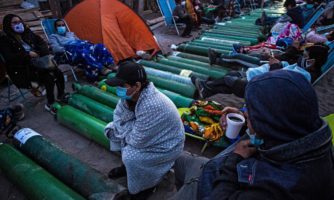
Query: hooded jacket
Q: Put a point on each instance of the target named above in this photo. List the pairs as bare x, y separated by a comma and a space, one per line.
296, 159
16, 58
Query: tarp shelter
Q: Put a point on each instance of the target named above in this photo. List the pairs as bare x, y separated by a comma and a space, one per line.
114, 24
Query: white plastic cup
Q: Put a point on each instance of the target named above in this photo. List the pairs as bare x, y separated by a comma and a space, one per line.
234, 126
65, 77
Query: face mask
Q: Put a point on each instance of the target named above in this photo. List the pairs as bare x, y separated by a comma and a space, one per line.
121, 93
61, 30
305, 63
309, 6
253, 139
19, 28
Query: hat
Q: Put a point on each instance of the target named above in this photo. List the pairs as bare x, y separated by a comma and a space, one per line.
128, 72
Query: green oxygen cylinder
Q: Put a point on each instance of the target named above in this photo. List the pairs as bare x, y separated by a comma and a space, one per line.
97, 94
171, 69
34, 181
179, 100
85, 180
183, 89
83, 123
91, 107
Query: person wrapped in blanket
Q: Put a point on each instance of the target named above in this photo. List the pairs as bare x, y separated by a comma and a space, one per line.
202, 119
146, 129
95, 58
8, 118
309, 64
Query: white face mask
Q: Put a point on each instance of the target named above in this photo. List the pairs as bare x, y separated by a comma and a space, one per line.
306, 63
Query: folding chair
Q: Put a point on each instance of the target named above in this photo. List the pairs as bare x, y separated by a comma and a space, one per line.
317, 13
166, 8
10, 97
48, 29
327, 66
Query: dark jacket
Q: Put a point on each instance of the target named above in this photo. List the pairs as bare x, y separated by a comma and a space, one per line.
296, 159
17, 60
296, 15
302, 169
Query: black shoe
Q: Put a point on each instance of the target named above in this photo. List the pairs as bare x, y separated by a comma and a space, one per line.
213, 55
143, 195
117, 172
199, 84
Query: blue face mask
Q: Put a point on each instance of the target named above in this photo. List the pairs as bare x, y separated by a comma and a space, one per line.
61, 30
121, 93
19, 28
309, 6
254, 140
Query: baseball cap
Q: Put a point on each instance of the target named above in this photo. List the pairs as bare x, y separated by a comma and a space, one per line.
128, 72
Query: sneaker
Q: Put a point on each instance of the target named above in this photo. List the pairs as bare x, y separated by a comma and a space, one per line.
213, 55
199, 84
117, 172
48, 107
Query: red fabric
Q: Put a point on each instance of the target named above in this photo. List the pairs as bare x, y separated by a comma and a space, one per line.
114, 24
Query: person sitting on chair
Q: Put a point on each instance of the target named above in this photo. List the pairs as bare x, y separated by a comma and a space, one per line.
180, 15
95, 58
23, 51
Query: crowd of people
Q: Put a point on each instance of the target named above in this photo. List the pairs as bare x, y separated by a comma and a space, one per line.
286, 152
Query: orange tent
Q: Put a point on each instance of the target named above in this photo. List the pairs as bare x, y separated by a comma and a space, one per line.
114, 24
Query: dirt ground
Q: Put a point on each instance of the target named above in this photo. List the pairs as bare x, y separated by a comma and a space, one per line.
74, 144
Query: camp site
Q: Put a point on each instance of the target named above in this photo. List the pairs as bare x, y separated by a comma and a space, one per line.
166, 99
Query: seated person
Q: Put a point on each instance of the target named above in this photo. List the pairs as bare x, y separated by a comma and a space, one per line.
146, 128
295, 12
96, 59
199, 10
327, 18
287, 155
190, 9
180, 15
22, 50
235, 82
308, 9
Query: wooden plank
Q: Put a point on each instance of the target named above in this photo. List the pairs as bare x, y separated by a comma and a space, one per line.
25, 16
33, 23
55, 8
154, 21
17, 11
4, 3
155, 26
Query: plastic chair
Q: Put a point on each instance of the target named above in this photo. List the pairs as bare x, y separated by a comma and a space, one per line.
166, 8
48, 29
